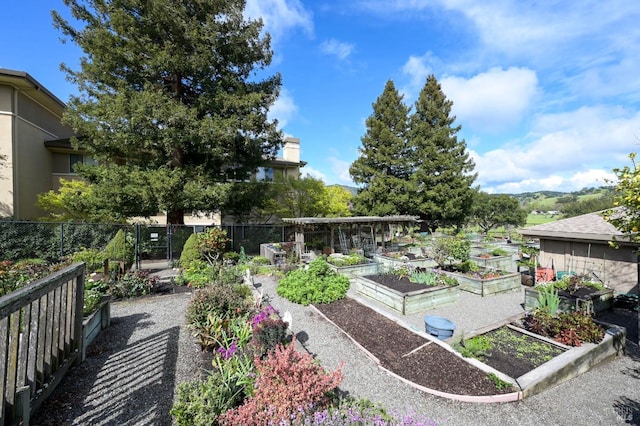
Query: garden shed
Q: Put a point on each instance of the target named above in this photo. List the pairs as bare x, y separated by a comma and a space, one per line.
581, 244
346, 233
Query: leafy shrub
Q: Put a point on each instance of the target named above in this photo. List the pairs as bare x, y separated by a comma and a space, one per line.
231, 256
571, 328
287, 384
14, 275
200, 402
190, 253
450, 249
197, 275
94, 293
211, 310
318, 284
134, 284
270, 333
93, 258
119, 248
260, 260
499, 252
212, 244
348, 260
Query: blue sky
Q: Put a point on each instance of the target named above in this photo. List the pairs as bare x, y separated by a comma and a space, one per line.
547, 93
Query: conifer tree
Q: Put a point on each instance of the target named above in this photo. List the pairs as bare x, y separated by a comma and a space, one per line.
170, 101
382, 170
442, 175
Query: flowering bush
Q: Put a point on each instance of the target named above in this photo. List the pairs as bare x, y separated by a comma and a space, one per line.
288, 384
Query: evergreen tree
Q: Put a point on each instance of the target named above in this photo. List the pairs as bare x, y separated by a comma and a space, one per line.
382, 170
171, 97
442, 172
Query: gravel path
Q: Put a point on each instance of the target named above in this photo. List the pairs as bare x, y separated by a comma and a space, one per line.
134, 367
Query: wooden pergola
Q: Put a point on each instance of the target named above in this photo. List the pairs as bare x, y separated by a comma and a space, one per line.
355, 223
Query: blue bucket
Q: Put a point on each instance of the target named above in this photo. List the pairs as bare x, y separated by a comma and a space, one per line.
439, 327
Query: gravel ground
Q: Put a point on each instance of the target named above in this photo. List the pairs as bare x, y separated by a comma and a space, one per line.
133, 369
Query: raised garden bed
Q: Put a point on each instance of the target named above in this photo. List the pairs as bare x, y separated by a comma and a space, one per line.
95, 323
535, 363
584, 299
501, 263
403, 296
488, 286
389, 262
356, 270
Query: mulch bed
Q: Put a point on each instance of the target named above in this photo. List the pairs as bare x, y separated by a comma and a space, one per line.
406, 353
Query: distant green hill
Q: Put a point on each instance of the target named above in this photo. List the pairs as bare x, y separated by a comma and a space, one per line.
553, 200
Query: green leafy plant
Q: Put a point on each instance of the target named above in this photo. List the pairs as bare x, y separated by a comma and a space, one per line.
212, 244
581, 324
500, 384
476, 347
200, 402
548, 299
348, 260
317, 284
190, 253
134, 284
446, 250
95, 292
120, 248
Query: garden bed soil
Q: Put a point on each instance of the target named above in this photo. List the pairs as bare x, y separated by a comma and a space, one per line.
406, 353
397, 283
508, 357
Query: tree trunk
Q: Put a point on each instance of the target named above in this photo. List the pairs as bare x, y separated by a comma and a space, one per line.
175, 217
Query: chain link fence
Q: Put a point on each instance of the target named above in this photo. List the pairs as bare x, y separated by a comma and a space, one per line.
54, 242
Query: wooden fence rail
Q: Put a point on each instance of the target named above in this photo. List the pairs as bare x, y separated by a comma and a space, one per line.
40, 338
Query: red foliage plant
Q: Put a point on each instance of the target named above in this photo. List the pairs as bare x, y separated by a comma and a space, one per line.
288, 383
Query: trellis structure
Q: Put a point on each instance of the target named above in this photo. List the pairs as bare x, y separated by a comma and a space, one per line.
363, 230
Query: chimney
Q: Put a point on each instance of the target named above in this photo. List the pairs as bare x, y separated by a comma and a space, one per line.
291, 149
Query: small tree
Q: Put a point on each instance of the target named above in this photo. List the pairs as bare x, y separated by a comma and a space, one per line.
446, 250
627, 197
493, 210
212, 244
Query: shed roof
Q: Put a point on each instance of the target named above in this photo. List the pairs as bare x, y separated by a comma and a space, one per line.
590, 226
350, 220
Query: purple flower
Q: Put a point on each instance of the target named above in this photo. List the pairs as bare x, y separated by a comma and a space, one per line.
228, 353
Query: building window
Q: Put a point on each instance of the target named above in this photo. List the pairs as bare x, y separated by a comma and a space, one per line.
265, 174
65, 163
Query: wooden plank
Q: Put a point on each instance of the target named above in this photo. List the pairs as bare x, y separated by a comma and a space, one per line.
69, 320
4, 348
55, 330
33, 346
12, 364
42, 341
27, 294
23, 351
79, 299
48, 344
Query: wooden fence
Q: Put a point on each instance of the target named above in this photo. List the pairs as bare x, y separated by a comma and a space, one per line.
40, 338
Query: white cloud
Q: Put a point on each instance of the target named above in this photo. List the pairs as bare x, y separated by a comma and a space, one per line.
491, 101
337, 48
564, 152
310, 171
283, 109
340, 171
280, 16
